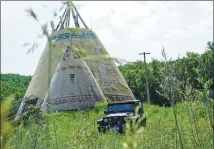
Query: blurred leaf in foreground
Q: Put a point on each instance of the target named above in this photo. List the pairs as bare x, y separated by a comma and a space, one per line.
26, 44
34, 46
6, 127
32, 13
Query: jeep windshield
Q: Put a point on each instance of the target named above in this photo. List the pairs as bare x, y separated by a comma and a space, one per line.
129, 107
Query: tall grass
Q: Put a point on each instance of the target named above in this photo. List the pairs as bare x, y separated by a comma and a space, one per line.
6, 127
78, 130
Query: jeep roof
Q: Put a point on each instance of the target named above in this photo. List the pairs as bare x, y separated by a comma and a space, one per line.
123, 102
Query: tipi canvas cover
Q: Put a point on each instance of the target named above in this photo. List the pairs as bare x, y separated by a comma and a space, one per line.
88, 45
73, 86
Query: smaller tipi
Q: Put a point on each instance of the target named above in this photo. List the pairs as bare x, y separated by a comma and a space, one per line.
73, 86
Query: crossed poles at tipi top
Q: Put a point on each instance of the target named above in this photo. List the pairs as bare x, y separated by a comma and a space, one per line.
65, 18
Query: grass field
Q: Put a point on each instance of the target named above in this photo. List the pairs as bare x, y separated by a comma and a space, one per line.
78, 130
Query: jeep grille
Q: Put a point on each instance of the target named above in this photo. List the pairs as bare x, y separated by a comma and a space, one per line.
112, 121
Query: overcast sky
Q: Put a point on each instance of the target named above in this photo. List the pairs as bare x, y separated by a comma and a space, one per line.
125, 28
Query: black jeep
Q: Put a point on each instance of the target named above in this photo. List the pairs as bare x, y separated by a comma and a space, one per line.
116, 113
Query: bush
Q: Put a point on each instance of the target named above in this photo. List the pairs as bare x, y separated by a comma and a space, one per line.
100, 106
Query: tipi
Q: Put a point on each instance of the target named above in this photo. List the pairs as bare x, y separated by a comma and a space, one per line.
73, 86
87, 72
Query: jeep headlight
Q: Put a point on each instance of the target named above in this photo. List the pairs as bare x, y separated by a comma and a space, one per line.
105, 120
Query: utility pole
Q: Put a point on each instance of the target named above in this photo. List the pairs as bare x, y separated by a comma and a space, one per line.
146, 76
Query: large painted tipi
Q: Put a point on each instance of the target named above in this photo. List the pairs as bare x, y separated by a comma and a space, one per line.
83, 75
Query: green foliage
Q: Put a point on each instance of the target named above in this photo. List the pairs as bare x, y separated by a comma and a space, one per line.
210, 45
79, 130
32, 115
32, 13
14, 84
100, 106
186, 70
133, 132
6, 127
